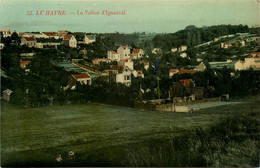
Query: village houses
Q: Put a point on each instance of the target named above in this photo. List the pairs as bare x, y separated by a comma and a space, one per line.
69, 40
51, 35
252, 61
83, 78
61, 33
114, 56
137, 53
89, 39
138, 73
120, 74
124, 52
6, 33
28, 41
126, 62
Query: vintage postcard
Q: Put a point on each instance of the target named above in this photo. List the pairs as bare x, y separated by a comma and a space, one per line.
136, 83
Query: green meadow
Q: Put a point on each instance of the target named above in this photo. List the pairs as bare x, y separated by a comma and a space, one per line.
104, 135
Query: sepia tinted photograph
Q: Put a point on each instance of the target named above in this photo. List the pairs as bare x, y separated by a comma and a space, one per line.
130, 83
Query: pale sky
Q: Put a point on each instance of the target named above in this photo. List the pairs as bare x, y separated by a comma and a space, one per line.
143, 15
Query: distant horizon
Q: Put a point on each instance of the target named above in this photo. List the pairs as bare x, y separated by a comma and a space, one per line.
151, 16
146, 32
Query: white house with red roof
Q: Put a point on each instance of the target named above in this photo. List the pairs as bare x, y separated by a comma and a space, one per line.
61, 33
120, 74
83, 78
172, 72
124, 52
23, 65
137, 53
6, 33
28, 41
138, 73
69, 40
127, 62
113, 55
51, 35
146, 64
91, 38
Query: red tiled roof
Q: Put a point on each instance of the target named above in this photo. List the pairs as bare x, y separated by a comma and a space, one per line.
126, 59
185, 82
29, 38
80, 76
67, 37
190, 71
120, 68
106, 71
113, 52
62, 32
24, 62
136, 51
173, 70
50, 33
228, 44
254, 53
142, 62
139, 72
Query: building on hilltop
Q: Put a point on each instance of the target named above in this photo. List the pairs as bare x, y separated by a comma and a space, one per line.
69, 40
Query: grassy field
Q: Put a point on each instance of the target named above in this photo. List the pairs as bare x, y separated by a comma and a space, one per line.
99, 135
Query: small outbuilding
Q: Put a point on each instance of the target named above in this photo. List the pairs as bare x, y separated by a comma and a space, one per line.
7, 94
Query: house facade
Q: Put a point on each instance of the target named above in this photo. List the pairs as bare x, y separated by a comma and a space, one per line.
113, 55
251, 62
137, 53
126, 62
124, 52
120, 74
138, 73
28, 41
69, 40
83, 78
89, 39
6, 33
